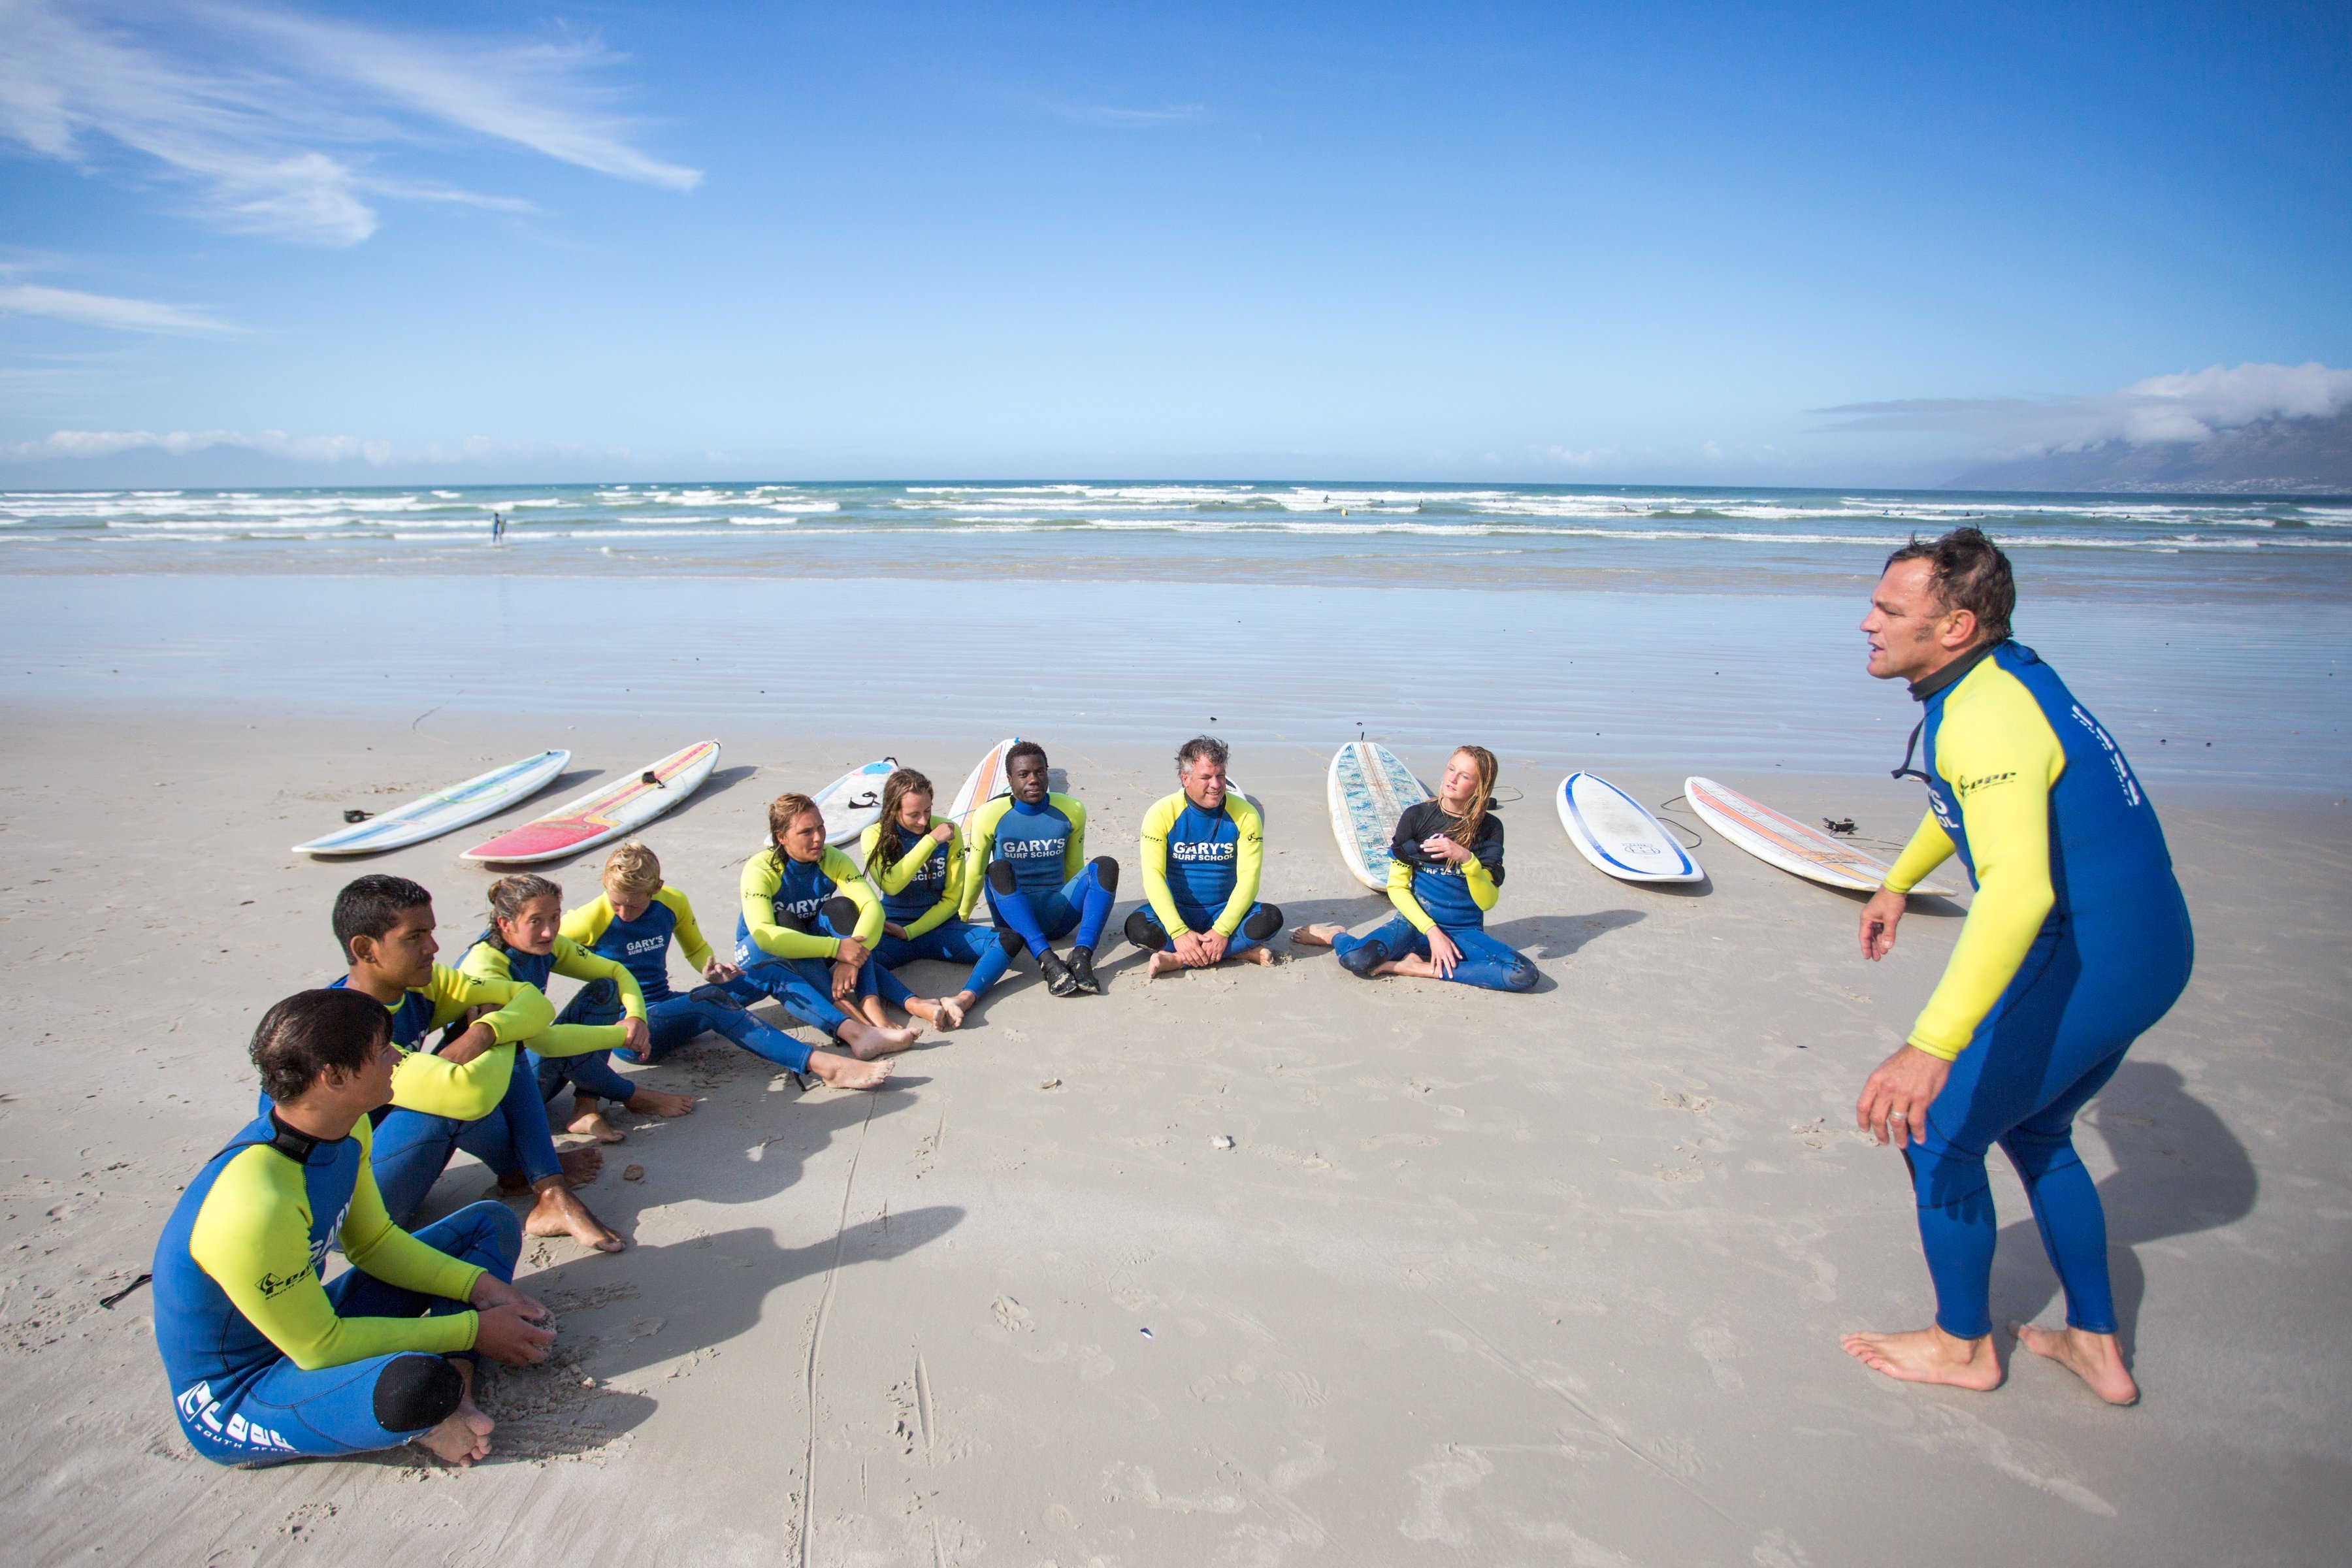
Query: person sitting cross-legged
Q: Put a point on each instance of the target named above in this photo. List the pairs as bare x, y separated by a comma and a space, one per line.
1203, 847
1039, 883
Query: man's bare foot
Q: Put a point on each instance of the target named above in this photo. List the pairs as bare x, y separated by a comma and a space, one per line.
1316, 936
1162, 963
836, 1071
589, 1122
2097, 1358
580, 1165
1929, 1355
560, 1212
1255, 955
935, 1013
463, 1437
654, 1103
866, 1042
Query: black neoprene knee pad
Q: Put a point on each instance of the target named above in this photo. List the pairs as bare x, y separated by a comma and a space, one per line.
1106, 873
416, 1393
840, 914
1000, 877
1010, 941
1144, 932
1264, 921
1523, 976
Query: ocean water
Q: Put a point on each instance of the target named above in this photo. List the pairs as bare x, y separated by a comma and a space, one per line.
1498, 536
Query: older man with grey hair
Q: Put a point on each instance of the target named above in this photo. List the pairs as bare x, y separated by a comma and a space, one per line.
1203, 847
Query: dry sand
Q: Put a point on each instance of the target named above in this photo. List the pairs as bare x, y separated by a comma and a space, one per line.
1483, 1279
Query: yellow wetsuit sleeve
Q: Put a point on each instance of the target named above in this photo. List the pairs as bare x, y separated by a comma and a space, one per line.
1929, 847
372, 1243
851, 884
688, 935
762, 877
485, 962
1074, 853
589, 922
951, 886
1481, 883
1401, 895
1998, 754
466, 1091
1157, 823
1249, 864
574, 961
981, 851
253, 1236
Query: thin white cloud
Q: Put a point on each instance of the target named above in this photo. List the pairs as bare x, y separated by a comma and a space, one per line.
113, 443
107, 310
276, 119
2187, 406
1113, 114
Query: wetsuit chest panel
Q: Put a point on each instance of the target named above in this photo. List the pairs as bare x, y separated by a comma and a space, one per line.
803, 890
1034, 840
642, 947
1439, 886
411, 1015
529, 968
1203, 850
924, 888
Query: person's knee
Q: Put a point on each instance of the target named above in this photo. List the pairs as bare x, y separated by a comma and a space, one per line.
1000, 877
1362, 958
1010, 941
1144, 932
1105, 870
1521, 975
2036, 1154
1263, 923
416, 1393
839, 913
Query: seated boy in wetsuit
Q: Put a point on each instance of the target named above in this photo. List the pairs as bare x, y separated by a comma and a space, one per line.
474, 1090
1039, 883
268, 1363
1203, 847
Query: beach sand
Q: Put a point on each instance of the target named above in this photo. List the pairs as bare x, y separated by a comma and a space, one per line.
1546, 1280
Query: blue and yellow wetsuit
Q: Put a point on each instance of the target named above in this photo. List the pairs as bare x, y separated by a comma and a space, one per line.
1430, 894
567, 1051
268, 1363
1039, 882
644, 946
1201, 871
490, 1107
922, 893
794, 917
2078, 940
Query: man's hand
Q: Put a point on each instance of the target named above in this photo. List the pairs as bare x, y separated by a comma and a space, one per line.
852, 952
512, 1334
1441, 951
478, 1037
719, 972
635, 1036
1879, 919
892, 928
490, 1290
1191, 951
844, 980
1212, 946
1893, 1104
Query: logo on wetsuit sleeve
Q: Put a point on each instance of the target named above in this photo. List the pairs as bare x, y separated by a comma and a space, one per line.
197, 1406
275, 1284
1966, 787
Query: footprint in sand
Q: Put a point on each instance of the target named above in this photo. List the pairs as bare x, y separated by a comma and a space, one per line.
1010, 1314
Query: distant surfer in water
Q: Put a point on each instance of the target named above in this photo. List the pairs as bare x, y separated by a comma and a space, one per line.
2077, 941
1446, 873
1203, 847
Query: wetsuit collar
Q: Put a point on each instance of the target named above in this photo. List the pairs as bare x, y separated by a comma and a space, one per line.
292, 1141
1953, 673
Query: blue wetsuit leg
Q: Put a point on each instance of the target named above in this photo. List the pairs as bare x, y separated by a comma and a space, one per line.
1397, 936
410, 1151
804, 986
591, 1072
2084, 993
514, 1135
1035, 920
1487, 963
1197, 918
337, 1410
1093, 901
951, 941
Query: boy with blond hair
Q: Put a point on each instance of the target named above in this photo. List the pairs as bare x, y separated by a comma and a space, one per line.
636, 923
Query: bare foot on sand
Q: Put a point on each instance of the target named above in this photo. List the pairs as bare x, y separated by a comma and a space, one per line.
837, 1071
2097, 1358
946, 1013
589, 1122
560, 1212
1316, 936
580, 1165
1256, 955
461, 1438
1929, 1355
867, 1042
1161, 963
935, 1013
654, 1103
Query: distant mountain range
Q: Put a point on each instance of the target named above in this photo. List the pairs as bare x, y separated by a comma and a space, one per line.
2269, 456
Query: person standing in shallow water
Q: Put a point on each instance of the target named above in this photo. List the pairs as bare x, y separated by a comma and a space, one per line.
2077, 941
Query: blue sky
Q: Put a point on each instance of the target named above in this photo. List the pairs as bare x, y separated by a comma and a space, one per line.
1547, 243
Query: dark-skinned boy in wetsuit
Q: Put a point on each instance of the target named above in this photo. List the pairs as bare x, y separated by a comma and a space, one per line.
1038, 883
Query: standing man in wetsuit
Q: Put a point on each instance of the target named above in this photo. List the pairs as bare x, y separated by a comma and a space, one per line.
2077, 941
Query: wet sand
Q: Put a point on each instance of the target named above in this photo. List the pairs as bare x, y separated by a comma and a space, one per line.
1553, 1278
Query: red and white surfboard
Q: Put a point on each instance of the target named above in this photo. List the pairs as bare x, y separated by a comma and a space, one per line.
1781, 840
610, 810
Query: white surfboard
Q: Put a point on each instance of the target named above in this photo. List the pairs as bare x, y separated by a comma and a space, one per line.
607, 812
852, 802
1783, 841
1618, 834
1369, 789
983, 784
445, 810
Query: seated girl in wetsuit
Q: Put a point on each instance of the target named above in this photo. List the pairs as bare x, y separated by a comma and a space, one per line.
806, 933
1446, 872
525, 943
917, 861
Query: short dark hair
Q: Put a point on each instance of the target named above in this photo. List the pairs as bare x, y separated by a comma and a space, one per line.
371, 906
1023, 748
1200, 746
1967, 572
312, 1031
